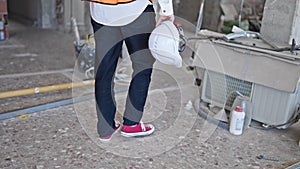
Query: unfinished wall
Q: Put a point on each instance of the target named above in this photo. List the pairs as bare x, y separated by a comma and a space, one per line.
24, 10
281, 21
187, 9
296, 25
47, 15
74, 9
211, 16
39, 13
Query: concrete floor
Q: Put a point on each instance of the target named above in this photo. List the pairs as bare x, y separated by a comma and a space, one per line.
65, 137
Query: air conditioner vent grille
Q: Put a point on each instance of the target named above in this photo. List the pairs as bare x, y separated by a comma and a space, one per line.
217, 87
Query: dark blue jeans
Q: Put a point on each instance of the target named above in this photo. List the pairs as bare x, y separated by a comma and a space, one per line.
109, 40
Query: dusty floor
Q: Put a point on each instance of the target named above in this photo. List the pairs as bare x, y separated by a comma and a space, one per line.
65, 137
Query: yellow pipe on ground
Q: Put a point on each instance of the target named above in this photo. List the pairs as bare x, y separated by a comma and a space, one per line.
44, 89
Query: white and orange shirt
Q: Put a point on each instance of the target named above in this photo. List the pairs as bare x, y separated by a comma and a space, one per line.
123, 12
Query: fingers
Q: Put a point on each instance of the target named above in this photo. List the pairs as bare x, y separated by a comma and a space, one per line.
171, 18
159, 21
165, 18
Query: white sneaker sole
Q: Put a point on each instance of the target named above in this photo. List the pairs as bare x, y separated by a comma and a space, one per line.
138, 134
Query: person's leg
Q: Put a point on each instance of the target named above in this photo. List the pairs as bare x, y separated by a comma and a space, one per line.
138, 88
108, 47
137, 34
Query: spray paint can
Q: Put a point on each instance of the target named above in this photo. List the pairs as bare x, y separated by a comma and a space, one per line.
237, 117
2, 32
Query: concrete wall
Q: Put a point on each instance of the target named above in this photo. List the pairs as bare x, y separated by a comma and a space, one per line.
75, 9
44, 14
296, 25
39, 13
187, 9
281, 21
47, 15
25, 10
212, 14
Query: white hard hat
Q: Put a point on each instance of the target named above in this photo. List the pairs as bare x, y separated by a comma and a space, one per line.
164, 44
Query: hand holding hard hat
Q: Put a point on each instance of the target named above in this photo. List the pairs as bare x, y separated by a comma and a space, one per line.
164, 44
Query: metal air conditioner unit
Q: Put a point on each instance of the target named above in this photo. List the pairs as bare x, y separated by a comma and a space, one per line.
270, 106
270, 79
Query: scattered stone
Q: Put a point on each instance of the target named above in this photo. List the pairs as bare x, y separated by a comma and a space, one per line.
7, 159
39, 167
189, 105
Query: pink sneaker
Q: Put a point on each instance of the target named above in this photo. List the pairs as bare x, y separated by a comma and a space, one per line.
116, 129
137, 130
